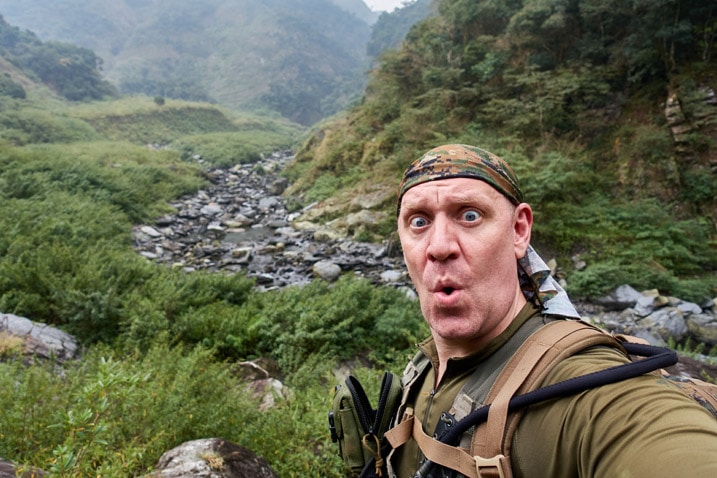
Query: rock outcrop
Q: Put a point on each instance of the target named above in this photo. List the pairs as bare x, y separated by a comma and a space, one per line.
211, 458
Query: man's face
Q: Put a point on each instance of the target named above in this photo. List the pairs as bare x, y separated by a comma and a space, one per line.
461, 241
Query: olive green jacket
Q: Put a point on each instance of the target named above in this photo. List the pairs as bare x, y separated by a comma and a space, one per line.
642, 427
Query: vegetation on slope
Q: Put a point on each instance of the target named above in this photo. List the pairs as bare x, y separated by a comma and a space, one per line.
71, 71
572, 93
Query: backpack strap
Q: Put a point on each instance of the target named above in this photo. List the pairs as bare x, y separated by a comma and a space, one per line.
524, 372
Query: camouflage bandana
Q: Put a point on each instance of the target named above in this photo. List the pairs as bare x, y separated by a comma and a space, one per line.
462, 161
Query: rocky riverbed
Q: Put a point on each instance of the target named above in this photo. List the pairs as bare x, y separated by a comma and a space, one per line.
241, 223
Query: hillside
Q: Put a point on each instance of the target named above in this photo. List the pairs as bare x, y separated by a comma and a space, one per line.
605, 109
303, 58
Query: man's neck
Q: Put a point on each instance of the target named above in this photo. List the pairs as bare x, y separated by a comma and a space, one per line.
448, 349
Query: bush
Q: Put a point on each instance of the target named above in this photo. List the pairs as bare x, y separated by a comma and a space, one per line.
339, 321
198, 308
111, 417
229, 149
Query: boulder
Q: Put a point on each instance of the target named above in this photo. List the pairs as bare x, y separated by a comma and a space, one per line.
211, 458
37, 340
327, 270
9, 470
703, 328
622, 297
668, 323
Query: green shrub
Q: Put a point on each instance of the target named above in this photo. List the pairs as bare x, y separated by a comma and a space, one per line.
114, 416
198, 308
136, 180
339, 321
227, 149
28, 125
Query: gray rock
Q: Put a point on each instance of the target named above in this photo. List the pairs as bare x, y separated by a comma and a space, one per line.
269, 203
644, 306
667, 323
211, 210
278, 186
40, 340
326, 270
391, 276
211, 458
150, 231
689, 308
8, 470
622, 297
703, 328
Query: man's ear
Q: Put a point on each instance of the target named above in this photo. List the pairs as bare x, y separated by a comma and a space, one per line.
522, 227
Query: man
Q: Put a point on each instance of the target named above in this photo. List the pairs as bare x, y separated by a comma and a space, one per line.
465, 233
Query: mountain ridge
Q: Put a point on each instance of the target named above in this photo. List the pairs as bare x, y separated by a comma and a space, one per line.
238, 53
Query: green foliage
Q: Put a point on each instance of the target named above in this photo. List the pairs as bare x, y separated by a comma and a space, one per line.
115, 415
638, 244
70, 70
336, 321
229, 149
162, 125
9, 87
135, 180
569, 93
390, 28
251, 55
28, 125
196, 308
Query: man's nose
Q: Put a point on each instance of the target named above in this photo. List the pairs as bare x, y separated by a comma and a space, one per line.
443, 242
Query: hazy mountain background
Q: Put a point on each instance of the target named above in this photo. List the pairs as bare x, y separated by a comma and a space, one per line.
305, 59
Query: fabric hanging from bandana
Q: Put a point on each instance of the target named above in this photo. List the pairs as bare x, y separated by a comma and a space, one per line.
541, 288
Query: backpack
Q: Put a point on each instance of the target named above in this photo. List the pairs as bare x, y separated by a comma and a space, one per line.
358, 428
516, 387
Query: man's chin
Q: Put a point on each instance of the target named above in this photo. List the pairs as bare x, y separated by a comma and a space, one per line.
453, 328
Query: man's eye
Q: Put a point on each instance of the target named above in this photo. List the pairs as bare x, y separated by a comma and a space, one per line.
471, 216
418, 222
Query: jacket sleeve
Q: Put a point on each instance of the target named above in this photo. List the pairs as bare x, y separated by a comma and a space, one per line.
642, 427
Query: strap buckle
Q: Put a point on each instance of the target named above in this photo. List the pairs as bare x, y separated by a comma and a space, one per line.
490, 467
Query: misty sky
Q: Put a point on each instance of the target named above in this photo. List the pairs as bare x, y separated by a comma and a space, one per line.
383, 5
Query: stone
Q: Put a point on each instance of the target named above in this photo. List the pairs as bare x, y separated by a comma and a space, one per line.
211, 458
8, 470
622, 297
667, 322
150, 231
40, 340
278, 186
689, 308
391, 276
326, 270
644, 305
211, 210
703, 328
